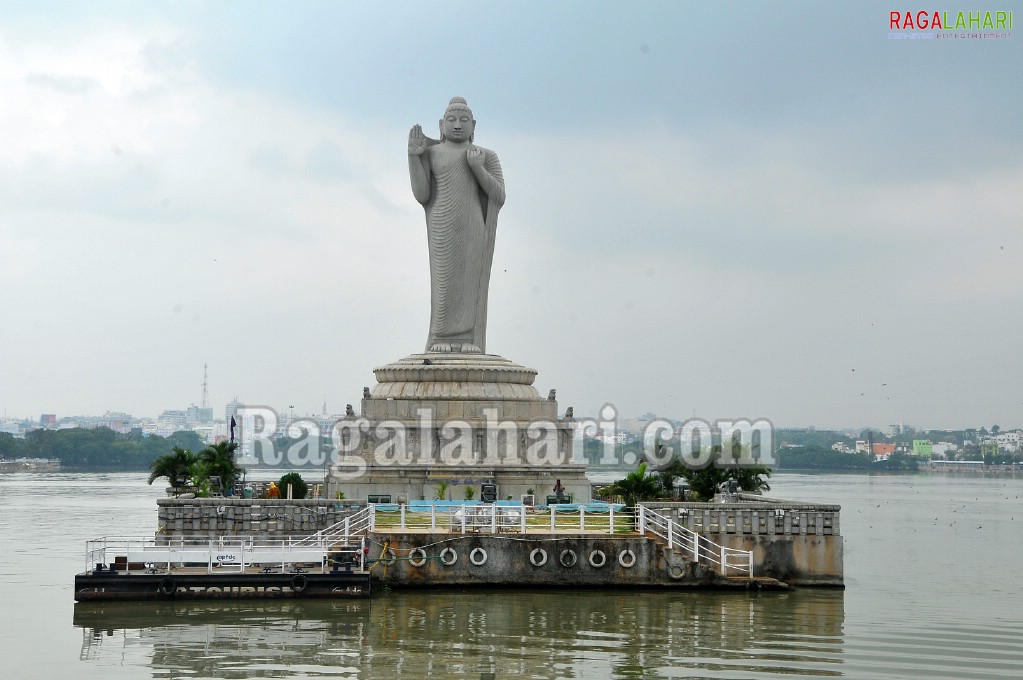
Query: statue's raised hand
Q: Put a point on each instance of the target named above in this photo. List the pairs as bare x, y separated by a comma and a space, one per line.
416, 141
475, 156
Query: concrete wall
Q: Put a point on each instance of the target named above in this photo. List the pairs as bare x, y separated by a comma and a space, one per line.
799, 560
508, 561
207, 518
798, 543
759, 516
794, 560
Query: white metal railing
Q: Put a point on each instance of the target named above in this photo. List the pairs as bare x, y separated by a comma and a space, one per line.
355, 524
698, 547
220, 553
486, 517
569, 519
494, 518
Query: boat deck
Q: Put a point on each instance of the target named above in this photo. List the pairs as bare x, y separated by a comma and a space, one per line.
199, 583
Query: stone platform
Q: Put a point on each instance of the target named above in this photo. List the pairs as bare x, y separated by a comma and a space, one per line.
460, 420
456, 386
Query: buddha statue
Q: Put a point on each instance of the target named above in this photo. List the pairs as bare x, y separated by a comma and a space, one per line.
461, 188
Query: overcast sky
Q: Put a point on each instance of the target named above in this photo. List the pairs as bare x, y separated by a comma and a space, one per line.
726, 209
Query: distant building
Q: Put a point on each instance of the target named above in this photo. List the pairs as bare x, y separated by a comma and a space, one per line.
613, 438
232, 409
1007, 442
900, 428
883, 451
196, 415
922, 447
174, 419
990, 448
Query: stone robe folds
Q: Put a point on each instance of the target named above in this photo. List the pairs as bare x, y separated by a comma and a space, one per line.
461, 221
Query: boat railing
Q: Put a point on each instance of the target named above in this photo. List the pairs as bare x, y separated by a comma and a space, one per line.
698, 547
128, 554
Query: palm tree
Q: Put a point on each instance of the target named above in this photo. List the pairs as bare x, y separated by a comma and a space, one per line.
442, 491
175, 466
200, 479
705, 482
220, 462
752, 478
636, 487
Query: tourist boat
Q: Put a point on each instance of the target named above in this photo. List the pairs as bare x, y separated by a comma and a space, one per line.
328, 564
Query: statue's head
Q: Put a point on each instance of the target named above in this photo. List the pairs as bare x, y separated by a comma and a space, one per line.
457, 124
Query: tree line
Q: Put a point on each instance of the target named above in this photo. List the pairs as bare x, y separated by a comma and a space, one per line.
96, 448
820, 458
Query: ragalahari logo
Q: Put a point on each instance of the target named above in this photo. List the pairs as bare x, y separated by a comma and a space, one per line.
932, 24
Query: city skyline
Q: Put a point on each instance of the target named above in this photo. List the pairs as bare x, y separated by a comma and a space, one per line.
727, 211
286, 414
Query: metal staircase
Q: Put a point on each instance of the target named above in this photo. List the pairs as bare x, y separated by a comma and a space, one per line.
357, 524
693, 546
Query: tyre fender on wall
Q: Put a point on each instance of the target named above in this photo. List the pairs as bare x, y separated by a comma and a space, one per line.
417, 557
478, 557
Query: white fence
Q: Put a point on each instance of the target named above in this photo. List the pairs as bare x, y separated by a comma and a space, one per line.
515, 518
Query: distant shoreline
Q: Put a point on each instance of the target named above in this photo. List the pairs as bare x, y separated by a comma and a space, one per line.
968, 471
977, 471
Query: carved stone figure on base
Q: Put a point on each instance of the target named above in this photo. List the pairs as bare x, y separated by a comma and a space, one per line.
461, 187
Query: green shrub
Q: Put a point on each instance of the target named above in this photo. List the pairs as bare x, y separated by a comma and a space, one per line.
298, 486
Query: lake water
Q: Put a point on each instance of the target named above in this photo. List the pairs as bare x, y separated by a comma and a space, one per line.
933, 576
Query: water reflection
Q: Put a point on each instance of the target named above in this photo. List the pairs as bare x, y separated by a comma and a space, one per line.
562, 634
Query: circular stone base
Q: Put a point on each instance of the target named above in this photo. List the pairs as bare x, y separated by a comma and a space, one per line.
437, 375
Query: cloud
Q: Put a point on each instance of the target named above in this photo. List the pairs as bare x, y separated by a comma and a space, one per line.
133, 189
